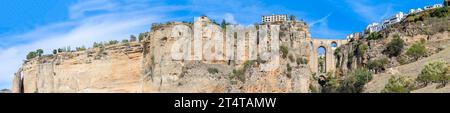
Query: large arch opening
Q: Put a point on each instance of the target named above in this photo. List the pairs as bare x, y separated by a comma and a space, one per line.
321, 59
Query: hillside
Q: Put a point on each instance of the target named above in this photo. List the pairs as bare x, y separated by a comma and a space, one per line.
411, 70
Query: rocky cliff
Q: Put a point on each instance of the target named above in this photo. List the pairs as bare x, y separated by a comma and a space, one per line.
150, 66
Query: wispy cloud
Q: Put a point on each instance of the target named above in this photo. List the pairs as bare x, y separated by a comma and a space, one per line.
81, 29
369, 11
321, 28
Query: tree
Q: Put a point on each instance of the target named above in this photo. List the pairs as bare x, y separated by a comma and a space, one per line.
434, 72
132, 38
39, 52
124, 41
374, 36
55, 51
292, 17
377, 65
395, 47
141, 36
446, 3
355, 81
223, 24
417, 50
398, 84
31, 55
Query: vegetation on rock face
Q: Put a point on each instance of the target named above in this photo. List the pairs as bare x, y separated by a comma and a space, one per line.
240, 73
441, 12
417, 50
446, 3
398, 84
142, 36
355, 81
34, 54
378, 64
434, 72
302, 61
213, 70
284, 50
362, 48
395, 47
374, 36
82, 48
125, 41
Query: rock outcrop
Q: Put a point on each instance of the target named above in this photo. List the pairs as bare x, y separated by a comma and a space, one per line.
152, 65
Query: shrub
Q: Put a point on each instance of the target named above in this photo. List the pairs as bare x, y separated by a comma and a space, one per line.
441, 12
132, 38
31, 55
34, 54
82, 48
291, 58
97, 45
417, 50
289, 68
142, 36
377, 65
284, 50
374, 36
434, 72
124, 41
395, 47
302, 61
39, 52
112, 42
362, 48
355, 81
213, 70
398, 84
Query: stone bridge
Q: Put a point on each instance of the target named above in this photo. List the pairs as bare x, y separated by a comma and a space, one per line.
330, 61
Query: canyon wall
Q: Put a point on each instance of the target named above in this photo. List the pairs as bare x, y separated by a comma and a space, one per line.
152, 65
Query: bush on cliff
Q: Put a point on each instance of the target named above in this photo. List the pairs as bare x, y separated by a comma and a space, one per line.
395, 47
434, 72
398, 84
355, 81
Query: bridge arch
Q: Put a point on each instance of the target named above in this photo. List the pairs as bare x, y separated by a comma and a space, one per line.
329, 47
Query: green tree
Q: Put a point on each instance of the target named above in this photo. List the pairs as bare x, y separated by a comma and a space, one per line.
375, 36
355, 81
31, 55
378, 64
284, 50
223, 24
398, 84
417, 50
132, 38
395, 47
124, 41
434, 72
55, 51
39, 52
141, 36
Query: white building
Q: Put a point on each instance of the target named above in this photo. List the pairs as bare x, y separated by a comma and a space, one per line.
433, 6
394, 19
374, 27
274, 18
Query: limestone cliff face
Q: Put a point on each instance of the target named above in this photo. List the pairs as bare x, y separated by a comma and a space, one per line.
115, 68
150, 65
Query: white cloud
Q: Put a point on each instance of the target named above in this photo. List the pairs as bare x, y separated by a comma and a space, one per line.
371, 12
230, 18
84, 30
321, 28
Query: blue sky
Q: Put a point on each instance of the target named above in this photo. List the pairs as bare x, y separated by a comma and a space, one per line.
26, 25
